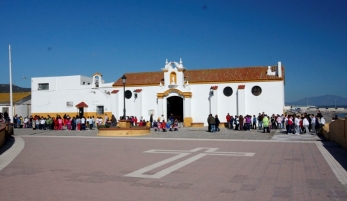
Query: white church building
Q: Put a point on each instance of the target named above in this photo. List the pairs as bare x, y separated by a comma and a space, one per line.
190, 95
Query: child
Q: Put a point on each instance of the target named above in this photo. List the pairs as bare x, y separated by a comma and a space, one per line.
168, 125
175, 126
163, 126
155, 125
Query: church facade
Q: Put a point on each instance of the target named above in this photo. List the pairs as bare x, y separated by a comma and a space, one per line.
190, 95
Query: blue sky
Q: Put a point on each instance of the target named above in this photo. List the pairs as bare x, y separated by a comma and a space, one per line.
57, 38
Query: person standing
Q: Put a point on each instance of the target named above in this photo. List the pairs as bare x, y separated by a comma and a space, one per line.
266, 123
78, 123
91, 123
254, 124
306, 124
241, 121
232, 122
248, 122
321, 122
212, 122
151, 120
43, 123
217, 123
279, 121
297, 125
236, 122
208, 122
260, 121
73, 124
228, 117
313, 123
60, 122
83, 123
286, 121
68, 123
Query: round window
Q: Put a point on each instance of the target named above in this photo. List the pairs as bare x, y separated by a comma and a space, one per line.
256, 90
128, 94
228, 91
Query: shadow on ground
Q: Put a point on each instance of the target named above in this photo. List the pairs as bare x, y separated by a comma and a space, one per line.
339, 153
8, 144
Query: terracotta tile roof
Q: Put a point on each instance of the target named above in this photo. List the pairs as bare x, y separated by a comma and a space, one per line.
214, 87
5, 97
137, 90
241, 87
81, 104
257, 73
114, 91
143, 78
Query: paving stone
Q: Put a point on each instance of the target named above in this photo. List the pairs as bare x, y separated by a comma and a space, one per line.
72, 165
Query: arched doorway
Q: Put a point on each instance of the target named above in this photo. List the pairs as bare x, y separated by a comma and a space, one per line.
175, 106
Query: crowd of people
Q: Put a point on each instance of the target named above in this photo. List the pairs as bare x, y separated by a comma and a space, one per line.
292, 123
295, 123
158, 125
161, 125
56, 123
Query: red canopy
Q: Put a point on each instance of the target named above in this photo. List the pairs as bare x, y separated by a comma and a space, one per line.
81, 104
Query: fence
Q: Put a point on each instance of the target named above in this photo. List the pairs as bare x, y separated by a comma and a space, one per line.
337, 131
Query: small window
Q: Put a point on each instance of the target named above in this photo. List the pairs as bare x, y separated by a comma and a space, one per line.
43, 86
99, 109
256, 90
84, 83
4, 109
227, 91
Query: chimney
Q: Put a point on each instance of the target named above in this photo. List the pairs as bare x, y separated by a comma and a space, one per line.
279, 69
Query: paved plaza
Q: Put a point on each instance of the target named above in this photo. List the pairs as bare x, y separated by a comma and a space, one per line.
190, 164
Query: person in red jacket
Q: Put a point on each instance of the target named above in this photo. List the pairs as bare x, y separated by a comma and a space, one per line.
163, 126
289, 124
228, 117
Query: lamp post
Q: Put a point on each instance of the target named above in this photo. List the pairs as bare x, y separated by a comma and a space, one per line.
124, 79
335, 103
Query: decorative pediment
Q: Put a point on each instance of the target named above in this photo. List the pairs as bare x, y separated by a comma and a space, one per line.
180, 93
173, 64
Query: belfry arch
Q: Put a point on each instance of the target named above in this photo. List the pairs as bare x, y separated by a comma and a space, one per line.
174, 106
176, 102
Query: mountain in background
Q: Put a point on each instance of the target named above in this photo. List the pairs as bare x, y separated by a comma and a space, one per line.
326, 100
5, 88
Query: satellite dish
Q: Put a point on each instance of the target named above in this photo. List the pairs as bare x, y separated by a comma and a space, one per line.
128, 94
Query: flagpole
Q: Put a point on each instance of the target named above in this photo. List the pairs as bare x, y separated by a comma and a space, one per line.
10, 115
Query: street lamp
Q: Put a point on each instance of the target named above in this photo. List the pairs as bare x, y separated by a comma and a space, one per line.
210, 95
124, 79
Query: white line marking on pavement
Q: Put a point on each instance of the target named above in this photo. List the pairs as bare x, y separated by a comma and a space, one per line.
335, 166
180, 154
8, 156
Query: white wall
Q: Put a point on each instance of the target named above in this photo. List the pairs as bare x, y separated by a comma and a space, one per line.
69, 88
270, 100
23, 110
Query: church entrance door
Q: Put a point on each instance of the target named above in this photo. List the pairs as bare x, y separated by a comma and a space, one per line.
175, 107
